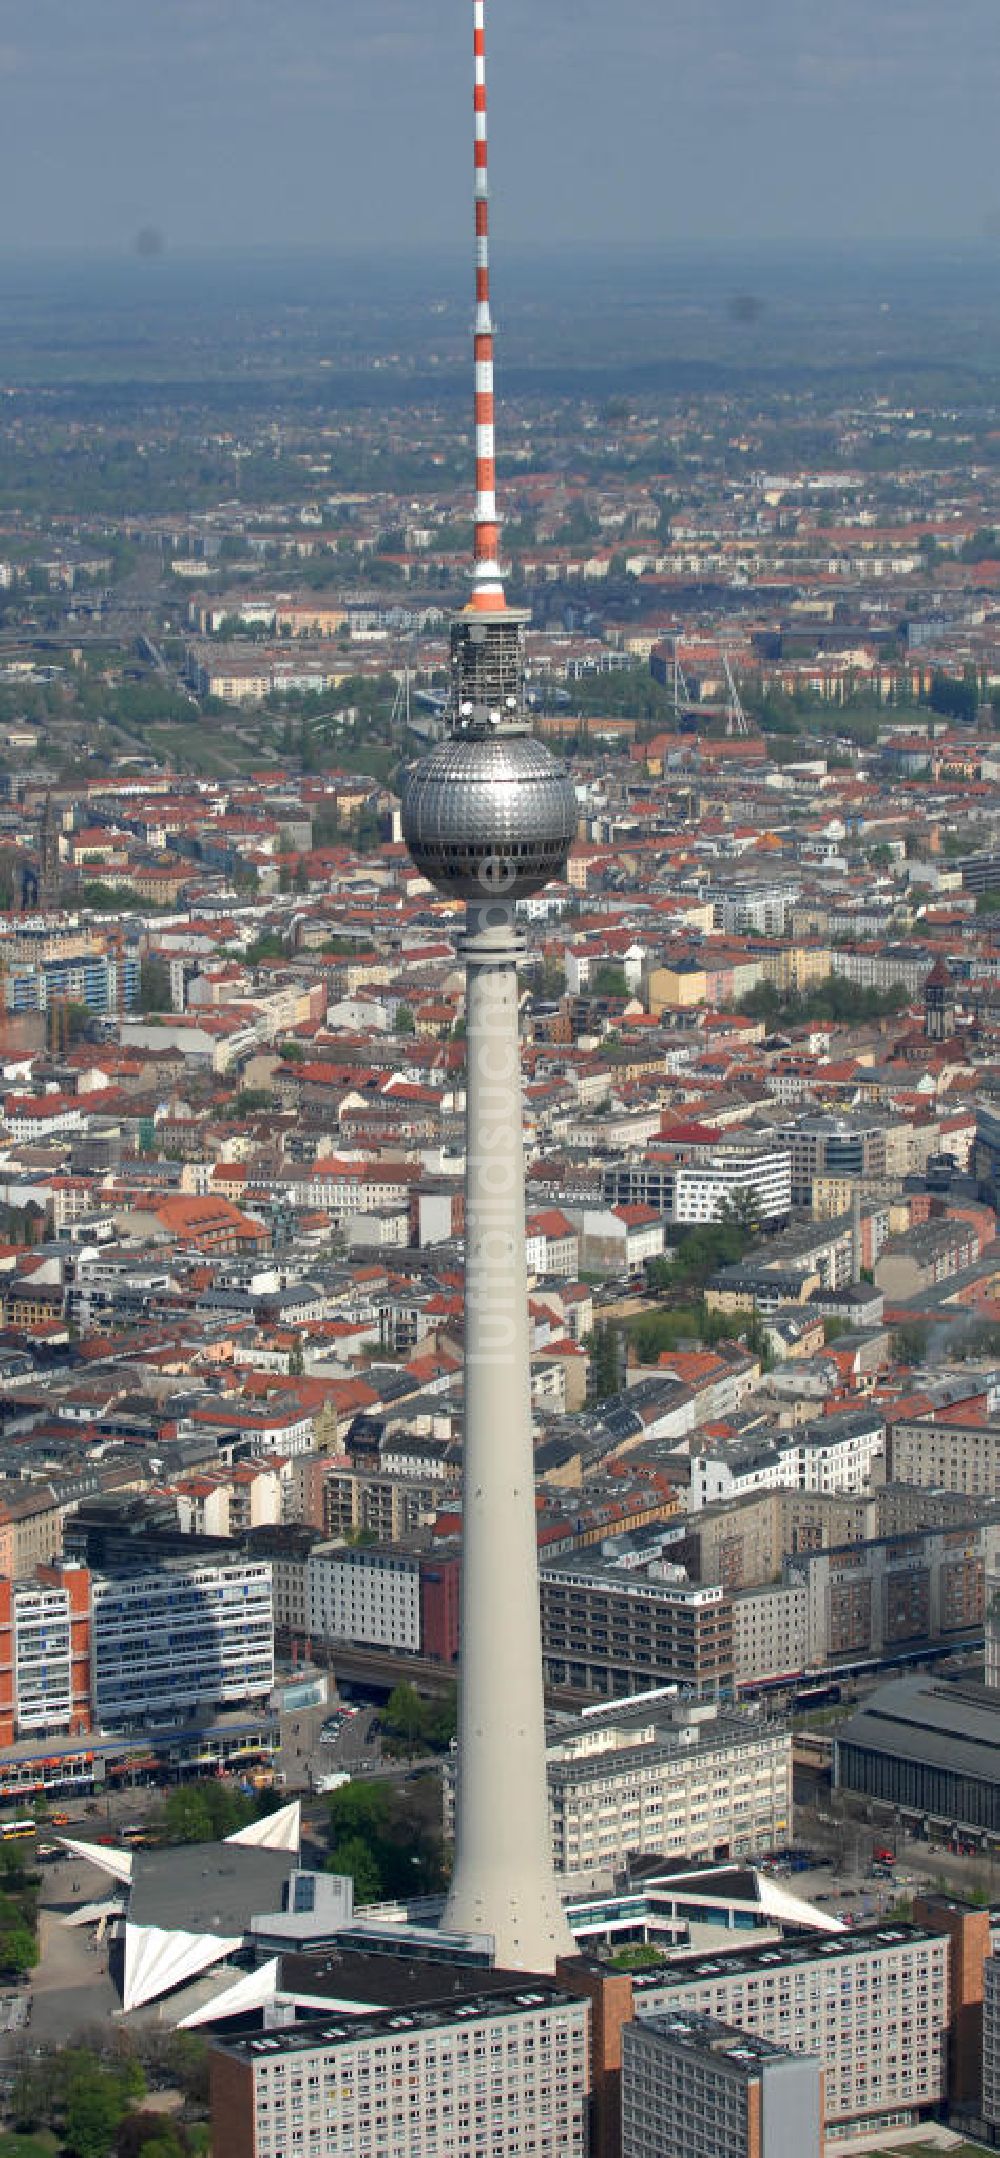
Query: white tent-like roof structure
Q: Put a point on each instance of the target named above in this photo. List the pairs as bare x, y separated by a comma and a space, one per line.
92, 1914
117, 1863
157, 1961
281, 1831
253, 1990
789, 1910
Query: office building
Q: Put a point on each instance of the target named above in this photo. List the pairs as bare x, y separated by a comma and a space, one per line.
179, 1639
681, 1778
663, 1777
700, 1189
608, 1630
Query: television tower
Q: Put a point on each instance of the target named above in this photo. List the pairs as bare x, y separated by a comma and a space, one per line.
488, 816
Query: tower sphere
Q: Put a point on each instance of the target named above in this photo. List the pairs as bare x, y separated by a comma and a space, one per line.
489, 816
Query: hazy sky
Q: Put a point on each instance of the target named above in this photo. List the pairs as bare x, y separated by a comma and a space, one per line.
265, 122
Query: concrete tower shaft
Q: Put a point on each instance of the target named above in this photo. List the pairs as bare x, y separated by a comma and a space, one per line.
504, 1882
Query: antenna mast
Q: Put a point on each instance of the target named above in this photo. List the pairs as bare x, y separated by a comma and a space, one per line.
487, 584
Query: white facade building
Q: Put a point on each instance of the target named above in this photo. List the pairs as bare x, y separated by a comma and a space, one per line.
43, 1658
370, 1595
835, 1454
686, 1781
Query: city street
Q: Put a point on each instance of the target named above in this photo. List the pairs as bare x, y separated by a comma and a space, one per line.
303, 1757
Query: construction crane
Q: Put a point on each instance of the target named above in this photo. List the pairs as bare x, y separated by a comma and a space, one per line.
400, 717
691, 715
736, 718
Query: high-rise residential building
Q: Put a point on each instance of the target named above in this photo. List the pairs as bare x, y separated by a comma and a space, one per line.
45, 1674
501, 2074
991, 2042
488, 817
694, 2088
874, 2006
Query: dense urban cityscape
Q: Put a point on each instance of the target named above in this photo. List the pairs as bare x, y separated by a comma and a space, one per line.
499, 1025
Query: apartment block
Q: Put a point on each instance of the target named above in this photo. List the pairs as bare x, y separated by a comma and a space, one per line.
770, 1632
866, 1599
944, 1455
835, 1454
696, 2088
504, 2074
743, 1541
991, 2044
924, 1256
45, 1688
874, 1597
873, 2007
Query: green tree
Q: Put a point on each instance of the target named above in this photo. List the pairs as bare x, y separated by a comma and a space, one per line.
154, 984
187, 2064
18, 1950
441, 1720
405, 1714
93, 2112
605, 1360
740, 1211
957, 700
380, 1838
360, 1809
186, 1815
550, 979
909, 1342
95, 2100
404, 1022
355, 1857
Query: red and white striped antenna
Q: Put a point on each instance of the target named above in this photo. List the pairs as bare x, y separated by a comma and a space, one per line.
487, 585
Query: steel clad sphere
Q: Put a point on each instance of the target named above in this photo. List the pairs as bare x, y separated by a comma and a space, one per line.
489, 816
